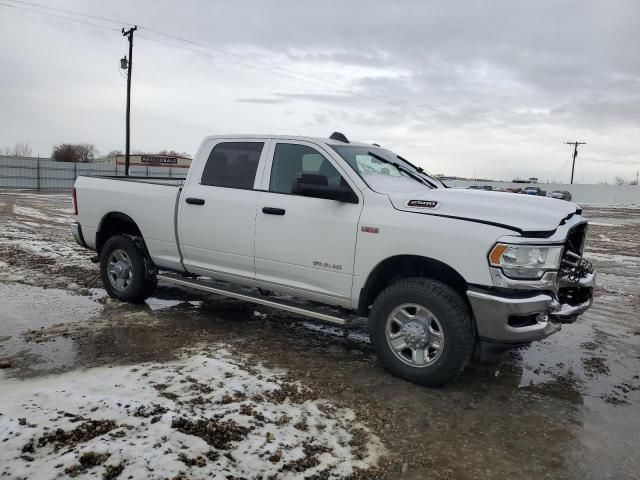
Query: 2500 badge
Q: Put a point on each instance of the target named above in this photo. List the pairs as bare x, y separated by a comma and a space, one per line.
331, 266
422, 204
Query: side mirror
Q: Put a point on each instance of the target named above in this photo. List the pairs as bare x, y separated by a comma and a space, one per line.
317, 186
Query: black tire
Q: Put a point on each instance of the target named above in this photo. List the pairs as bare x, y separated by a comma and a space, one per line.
141, 281
454, 319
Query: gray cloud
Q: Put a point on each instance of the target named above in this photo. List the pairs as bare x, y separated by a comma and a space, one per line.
468, 87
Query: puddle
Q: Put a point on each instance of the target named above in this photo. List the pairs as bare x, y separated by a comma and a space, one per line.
567, 407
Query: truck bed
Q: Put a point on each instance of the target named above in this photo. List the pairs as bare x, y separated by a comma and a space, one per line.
152, 180
150, 202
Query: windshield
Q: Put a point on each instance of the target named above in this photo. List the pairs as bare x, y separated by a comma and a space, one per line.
372, 160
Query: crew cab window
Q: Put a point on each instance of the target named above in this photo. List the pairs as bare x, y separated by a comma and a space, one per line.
290, 160
232, 164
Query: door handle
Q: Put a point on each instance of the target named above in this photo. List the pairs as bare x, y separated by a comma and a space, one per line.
195, 201
273, 211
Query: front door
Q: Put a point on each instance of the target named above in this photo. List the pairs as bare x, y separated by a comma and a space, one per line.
217, 211
305, 244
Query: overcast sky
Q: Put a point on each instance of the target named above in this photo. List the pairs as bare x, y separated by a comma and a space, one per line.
476, 88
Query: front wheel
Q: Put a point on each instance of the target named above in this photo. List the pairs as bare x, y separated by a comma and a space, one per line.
422, 331
125, 269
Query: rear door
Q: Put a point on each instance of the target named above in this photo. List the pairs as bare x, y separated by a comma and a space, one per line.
305, 245
218, 208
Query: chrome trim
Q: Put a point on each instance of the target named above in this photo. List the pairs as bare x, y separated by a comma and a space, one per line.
279, 304
492, 309
76, 232
569, 312
492, 312
547, 282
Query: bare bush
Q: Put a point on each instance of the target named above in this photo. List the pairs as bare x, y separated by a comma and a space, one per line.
620, 181
74, 152
20, 149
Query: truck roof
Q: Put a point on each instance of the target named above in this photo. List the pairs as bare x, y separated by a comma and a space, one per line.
328, 141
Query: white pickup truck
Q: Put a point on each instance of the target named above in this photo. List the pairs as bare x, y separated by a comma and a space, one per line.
437, 272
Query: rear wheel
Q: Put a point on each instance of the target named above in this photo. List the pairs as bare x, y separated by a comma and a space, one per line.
126, 269
422, 331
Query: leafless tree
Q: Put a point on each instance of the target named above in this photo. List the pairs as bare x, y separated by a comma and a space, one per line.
74, 152
20, 149
620, 181
173, 153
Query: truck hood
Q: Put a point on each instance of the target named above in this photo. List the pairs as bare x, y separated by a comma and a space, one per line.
522, 213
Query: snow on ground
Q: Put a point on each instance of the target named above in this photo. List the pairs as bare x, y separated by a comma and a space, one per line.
205, 415
611, 206
336, 331
37, 238
612, 258
601, 224
35, 213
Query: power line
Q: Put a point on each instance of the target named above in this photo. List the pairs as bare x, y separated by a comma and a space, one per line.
72, 12
608, 150
563, 167
302, 77
266, 66
274, 69
59, 16
608, 161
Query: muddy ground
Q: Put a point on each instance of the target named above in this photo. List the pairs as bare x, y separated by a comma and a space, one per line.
189, 385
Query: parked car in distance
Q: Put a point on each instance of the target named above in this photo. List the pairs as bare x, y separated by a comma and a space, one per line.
340, 232
534, 191
480, 187
560, 195
513, 189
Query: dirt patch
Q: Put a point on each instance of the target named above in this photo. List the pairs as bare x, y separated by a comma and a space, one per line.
5, 364
291, 391
60, 438
219, 434
153, 410
595, 366
112, 471
198, 461
86, 461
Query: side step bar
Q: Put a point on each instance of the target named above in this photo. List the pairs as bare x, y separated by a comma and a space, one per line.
317, 313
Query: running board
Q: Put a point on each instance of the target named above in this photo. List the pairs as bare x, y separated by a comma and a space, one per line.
317, 313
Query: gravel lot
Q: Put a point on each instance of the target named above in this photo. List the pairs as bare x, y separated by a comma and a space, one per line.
190, 385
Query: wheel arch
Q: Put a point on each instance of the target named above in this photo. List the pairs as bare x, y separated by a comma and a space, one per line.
115, 223
399, 267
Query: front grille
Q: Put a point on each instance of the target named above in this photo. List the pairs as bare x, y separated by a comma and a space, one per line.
576, 238
573, 266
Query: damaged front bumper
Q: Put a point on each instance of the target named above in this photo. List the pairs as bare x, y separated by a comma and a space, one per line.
511, 317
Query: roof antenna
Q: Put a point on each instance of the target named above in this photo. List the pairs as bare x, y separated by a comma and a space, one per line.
375, 144
339, 137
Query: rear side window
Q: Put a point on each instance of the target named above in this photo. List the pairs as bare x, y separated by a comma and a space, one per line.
291, 159
233, 165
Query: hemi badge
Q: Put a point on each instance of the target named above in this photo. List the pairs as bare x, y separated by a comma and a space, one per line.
422, 204
370, 229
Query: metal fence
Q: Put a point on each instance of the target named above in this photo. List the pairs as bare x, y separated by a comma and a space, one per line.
46, 174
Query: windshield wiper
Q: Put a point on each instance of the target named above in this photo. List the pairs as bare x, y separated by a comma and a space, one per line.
421, 170
408, 172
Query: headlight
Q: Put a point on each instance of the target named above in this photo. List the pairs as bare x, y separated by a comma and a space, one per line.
525, 261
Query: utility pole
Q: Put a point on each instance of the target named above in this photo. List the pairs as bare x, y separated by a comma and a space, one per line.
128, 64
575, 154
